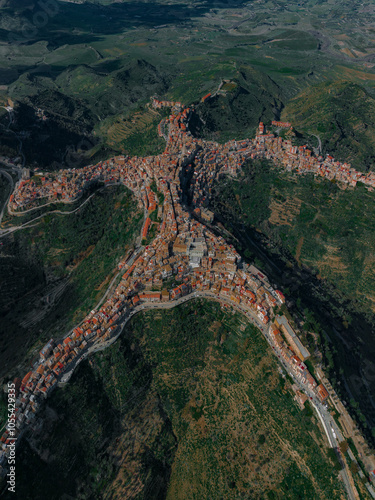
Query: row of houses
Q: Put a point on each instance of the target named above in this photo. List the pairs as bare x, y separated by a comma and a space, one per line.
294, 353
301, 159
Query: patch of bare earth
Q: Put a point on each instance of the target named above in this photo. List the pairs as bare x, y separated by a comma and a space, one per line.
332, 262
298, 250
284, 213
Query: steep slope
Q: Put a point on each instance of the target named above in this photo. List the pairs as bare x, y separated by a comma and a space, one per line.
342, 114
58, 111
318, 242
251, 97
52, 273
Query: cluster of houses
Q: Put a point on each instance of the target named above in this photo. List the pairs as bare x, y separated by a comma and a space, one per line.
185, 256
210, 161
301, 160
281, 124
294, 353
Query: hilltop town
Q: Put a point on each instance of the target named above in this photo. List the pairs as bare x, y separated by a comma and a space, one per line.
211, 160
178, 246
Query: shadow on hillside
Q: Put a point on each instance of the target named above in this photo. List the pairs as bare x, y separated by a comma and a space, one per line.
75, 23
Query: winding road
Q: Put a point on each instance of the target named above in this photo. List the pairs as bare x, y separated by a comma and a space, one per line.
7, 231
329, 425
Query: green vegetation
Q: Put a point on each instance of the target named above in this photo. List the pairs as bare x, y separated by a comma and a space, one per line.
158, 193
100, 424
190, 396
317, 242
55, 271
332, 453
342, 114
310, 367
75, 444
135, 134
3, 409
92, 70
93, 67
356, 455
324, 227
222, 357
236, 114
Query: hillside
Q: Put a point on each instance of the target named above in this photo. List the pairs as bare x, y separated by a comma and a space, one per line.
317, 242
342, 114
188, 403
236, 111
55, 271
73, 104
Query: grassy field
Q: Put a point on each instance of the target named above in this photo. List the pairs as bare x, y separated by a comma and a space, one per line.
54, 272
187, 404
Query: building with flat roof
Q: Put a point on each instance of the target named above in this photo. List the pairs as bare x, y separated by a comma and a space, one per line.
282, 323
196, 250
207, 215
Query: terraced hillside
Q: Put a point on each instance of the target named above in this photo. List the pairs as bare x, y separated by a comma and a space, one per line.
134, 133
188, 403
342, 116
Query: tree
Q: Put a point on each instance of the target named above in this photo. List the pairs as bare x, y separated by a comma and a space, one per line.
334, 458
248, 255
353, 403
354, 468
344, 446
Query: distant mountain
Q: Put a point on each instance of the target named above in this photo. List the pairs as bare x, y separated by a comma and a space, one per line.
140, 80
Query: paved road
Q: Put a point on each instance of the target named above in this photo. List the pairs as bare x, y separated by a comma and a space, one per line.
20, 214
129, 261
319, 148
333, 433
95, 347
330, 427
5, 232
